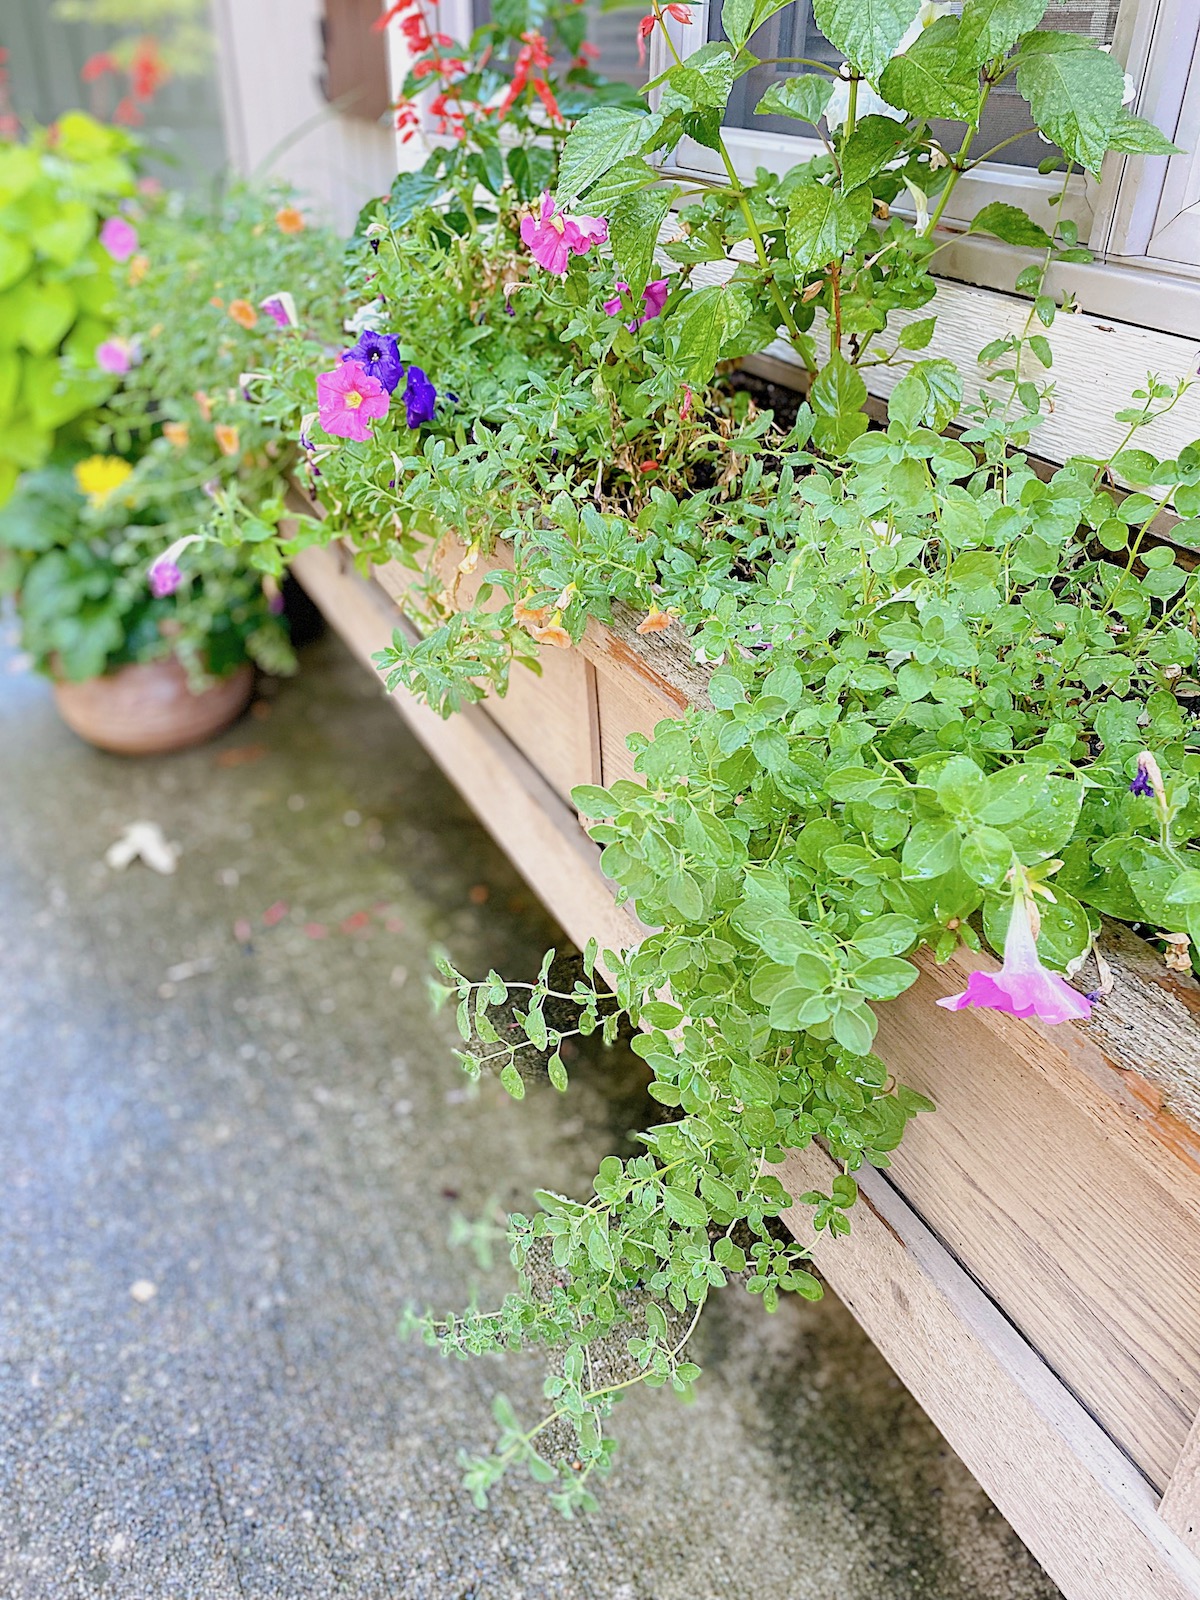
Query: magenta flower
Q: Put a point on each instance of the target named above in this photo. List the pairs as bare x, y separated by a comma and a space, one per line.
654, 297
349, 399
1023, 987
119, 238
114, 356
553, 238
281, 308
164, 577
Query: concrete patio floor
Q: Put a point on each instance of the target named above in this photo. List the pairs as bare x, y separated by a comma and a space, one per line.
233, 1144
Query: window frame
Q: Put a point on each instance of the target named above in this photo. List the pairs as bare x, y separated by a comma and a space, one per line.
1119, 215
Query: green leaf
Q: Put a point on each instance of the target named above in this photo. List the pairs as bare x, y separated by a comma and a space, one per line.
837, 396
708, 319
661, 1014
622, 179
865, 31
916, 335
605, 136
930, 849
822, 225
41, 313
593, 801
1074, 91
888, 935
684, 1208
1010, 224
741, 19
990, 28
633, 231
987, 856
804, 97
931, 79
854, 1026
15, 259
884, 977
1134, 136
874, 142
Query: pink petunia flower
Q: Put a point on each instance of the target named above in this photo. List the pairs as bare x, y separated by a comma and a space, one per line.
553, 238
114, 356
164, 573
1023, 987
349, 399
119, 238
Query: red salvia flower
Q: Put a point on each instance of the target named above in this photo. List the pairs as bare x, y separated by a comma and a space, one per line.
96, 66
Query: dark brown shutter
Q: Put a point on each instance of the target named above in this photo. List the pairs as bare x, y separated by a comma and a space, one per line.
356, 72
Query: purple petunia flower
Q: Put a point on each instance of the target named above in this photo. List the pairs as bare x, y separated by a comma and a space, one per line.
1141, 784
379, 356
420, 397
164, 577
281, 308
654, 298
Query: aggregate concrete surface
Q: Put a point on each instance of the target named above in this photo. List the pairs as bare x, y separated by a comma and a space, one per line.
233, 1146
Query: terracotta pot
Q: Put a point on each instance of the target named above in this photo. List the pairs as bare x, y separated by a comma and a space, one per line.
148, 708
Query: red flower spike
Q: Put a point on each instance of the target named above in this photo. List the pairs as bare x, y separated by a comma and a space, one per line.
96, 66
680, 13
645, 29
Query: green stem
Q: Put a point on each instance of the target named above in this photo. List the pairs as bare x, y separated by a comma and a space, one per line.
960, 157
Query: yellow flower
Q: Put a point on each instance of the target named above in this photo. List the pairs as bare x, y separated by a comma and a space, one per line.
176, 433
100, 476
138, 268
227, 438
243, 313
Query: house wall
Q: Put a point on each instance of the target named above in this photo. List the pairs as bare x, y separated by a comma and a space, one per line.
277, 120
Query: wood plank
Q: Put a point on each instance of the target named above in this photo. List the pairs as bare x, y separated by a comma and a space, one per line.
541, 834
1084, 1511
1180, 1508
1071, 1216
1098, 362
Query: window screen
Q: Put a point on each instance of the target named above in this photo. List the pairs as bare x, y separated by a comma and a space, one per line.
792, 32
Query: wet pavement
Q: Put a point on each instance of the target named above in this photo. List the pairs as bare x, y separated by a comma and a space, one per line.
234, 1146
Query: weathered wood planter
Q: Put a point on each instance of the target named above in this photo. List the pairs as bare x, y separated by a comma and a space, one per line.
1030, 1264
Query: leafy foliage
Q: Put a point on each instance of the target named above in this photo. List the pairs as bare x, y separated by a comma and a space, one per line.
932, 671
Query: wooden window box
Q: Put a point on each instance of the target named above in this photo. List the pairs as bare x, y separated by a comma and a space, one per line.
1030, 1263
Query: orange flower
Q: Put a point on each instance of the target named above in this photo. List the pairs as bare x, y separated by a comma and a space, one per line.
553, 633
227, 438
204, 403
530, 616
138, 268
655, 621
289, 220
176, 433
218, 302
243, 313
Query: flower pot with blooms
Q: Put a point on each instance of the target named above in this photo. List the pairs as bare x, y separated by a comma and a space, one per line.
141, 660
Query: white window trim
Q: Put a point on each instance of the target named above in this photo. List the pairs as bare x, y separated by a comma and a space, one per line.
1116, 215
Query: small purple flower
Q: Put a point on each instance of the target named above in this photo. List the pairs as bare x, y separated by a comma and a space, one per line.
281, 309
420, 397
165, 577
1149, 780
379, 356
119, 238
1141, 784
654, 298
